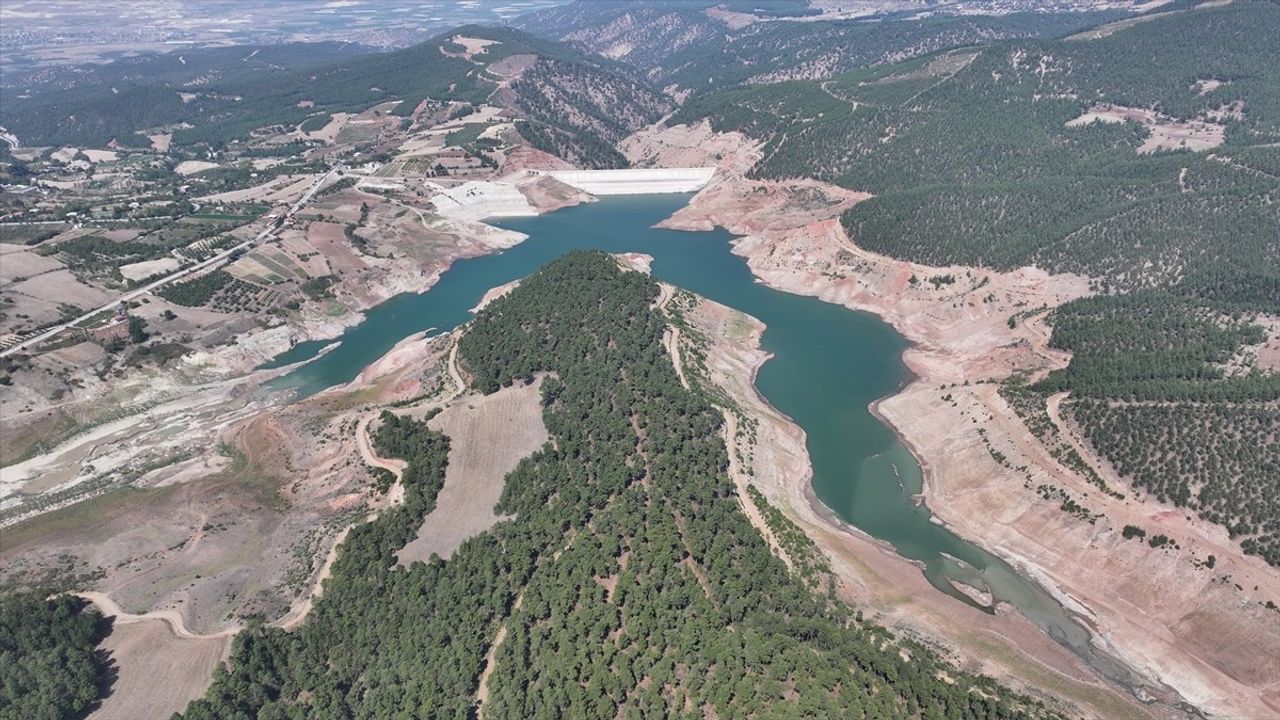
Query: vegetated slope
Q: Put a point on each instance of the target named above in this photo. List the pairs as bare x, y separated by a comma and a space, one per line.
678, 45
643, 35
223, 109
1157, 392
629, 584
1221, 460
974, 162
94, 103
191, 67
49, 667
1156, 346
580, 113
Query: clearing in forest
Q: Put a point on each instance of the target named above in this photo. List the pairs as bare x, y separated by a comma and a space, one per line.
159, 672
488, 436
1165, 133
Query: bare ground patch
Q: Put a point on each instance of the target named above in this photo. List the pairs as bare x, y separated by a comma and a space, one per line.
158, 671
191, 167
1166, 133
471, 46
232, 531
1112, 28
19, 262
488, 436
512, 66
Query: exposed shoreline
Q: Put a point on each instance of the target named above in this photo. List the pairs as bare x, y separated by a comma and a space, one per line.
828, 515
816, 505
1149, 609
870, 573
772, 237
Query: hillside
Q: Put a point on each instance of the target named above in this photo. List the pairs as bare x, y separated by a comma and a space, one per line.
695, 47
629, 582
92, 104
193, 67
981, 157
590, 101
1144, 158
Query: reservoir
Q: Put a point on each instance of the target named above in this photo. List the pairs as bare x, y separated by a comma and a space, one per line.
829, 364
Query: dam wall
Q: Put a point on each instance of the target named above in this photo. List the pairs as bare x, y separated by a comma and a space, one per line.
480, 199
635, 181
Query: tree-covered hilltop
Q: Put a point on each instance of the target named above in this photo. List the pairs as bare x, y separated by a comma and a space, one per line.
50, 667
629, 583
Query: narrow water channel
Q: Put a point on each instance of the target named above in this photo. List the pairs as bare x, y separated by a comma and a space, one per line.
829, 364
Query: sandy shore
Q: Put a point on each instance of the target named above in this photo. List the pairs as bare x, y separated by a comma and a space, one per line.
1160, 612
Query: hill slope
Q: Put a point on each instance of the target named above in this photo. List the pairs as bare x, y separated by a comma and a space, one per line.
694, 47
1146, 159
628, 584
590, 101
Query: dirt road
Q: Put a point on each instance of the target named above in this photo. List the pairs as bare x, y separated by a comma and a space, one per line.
172, 618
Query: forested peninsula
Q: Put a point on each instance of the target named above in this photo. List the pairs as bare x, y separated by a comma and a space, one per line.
628, 584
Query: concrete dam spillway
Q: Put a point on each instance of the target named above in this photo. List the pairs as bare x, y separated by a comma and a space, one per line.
635, 181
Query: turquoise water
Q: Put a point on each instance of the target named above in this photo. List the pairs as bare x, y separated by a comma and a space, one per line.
829, 363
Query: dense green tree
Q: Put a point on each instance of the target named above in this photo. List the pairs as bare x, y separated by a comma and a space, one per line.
49, 665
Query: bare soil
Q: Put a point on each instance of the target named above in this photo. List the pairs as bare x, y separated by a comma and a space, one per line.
548, 194
281, 190
191, 167
158, 673
1166, 133
488, 436
525, 157
472, 46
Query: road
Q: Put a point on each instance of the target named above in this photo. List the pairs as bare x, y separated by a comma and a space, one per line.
172, 618
203, 264
76, 221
